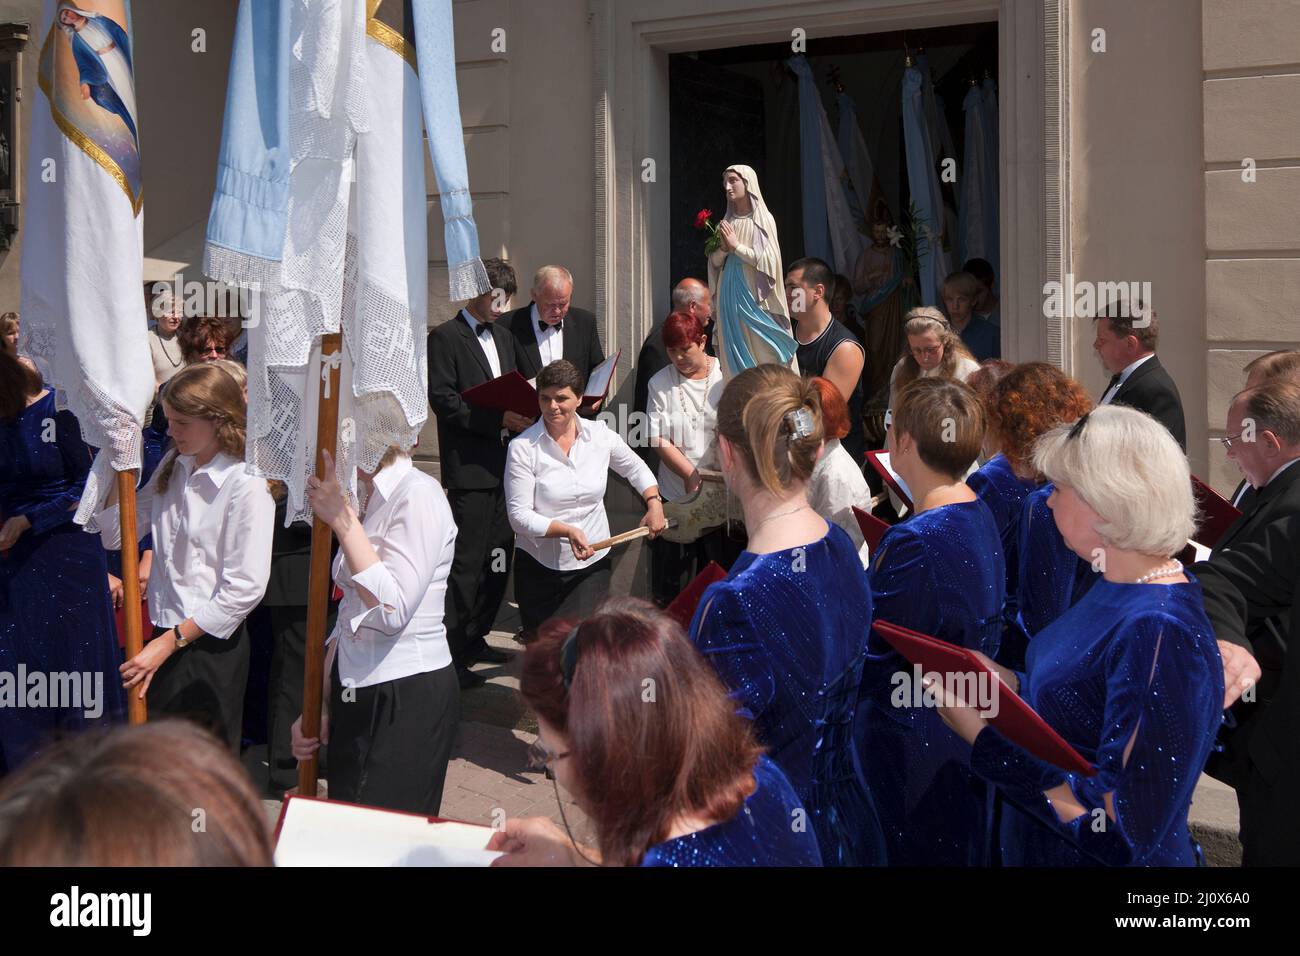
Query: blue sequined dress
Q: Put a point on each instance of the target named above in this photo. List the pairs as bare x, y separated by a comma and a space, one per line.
787, 634
763, 833
55, 613
1130, 666
940, 573
1004, 492
1051, 576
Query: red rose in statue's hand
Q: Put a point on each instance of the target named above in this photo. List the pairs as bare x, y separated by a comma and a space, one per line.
702, 218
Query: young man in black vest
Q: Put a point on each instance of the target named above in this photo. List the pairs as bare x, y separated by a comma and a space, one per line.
471, 349
826, 347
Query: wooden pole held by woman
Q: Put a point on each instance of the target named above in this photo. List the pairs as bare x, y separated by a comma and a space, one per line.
318, 584
137, 709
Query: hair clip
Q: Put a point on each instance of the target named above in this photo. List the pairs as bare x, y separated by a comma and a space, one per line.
800, 422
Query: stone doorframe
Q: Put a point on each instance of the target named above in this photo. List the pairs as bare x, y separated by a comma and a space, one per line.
632, 42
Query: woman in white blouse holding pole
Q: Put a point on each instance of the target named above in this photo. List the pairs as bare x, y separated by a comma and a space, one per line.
394, 700
556, 473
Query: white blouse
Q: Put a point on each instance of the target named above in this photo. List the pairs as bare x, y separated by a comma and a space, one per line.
212, 531
685, 412
544, 485
835, 487
409, 523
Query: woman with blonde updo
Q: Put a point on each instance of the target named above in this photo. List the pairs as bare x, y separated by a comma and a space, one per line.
787, 629
211, 523
934, 349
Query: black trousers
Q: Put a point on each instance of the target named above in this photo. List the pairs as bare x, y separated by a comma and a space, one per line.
390, 743
480, 568
544, 593
205, 683
284, 692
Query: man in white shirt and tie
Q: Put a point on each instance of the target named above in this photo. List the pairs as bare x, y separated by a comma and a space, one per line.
470, 349
1127, 334
549, 329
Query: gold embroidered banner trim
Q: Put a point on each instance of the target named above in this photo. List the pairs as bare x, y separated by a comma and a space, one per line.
80, 139
385, 35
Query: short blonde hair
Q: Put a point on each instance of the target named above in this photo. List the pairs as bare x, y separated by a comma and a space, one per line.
1128, 468
552, 277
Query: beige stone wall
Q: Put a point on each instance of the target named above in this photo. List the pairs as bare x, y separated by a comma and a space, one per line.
1251, 81
1137, 183
20, 11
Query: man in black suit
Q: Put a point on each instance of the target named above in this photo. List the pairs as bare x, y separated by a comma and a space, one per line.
691, 296
547, 329
1282, 366
1247, 584
471, 349
1126, 344
1264, 441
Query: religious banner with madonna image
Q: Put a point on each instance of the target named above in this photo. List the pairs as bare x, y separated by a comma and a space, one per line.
86, 73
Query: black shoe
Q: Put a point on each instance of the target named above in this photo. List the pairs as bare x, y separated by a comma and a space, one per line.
490, 655
468, 678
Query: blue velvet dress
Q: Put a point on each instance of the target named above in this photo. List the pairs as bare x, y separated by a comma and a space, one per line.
1004, 492
55, 612
761, 834
940, 573
1129, 665
1051, 576
787, 632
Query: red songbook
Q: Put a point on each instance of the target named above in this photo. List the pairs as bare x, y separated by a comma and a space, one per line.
1216, 513
879, 460
1014, 719
682, 609
873, 529
509, 393
119, 618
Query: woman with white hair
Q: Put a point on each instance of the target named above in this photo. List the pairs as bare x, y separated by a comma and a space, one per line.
1130, 676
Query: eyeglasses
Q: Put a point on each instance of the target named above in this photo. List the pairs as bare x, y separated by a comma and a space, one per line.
539, 758
930, 352
1227, 442
216, 350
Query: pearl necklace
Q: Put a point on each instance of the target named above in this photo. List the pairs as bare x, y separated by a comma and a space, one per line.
1168, 571
684, 400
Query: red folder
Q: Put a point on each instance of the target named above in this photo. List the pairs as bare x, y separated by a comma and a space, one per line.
119, 618
1015, 719
509, 393
682, 609
1216, 513
873, 529
890, 478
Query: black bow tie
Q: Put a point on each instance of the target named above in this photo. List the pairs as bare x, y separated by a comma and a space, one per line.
484, 331
542, 326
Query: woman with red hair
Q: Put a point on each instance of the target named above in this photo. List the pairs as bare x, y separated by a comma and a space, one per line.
683, 407
633, 723
837, 484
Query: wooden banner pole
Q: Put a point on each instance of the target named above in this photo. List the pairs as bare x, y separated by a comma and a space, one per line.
137, 711
318, 583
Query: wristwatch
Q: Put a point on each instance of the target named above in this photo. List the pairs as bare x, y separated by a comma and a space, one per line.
180, 641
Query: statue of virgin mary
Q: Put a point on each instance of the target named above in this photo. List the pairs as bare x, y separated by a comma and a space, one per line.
747, 282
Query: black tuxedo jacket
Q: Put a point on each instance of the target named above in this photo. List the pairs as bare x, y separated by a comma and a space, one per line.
1150, 389
1251, 582
1268, 637
581, 341
469, 439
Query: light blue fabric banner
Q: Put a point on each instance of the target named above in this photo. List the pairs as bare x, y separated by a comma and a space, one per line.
924, 187
816, 222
